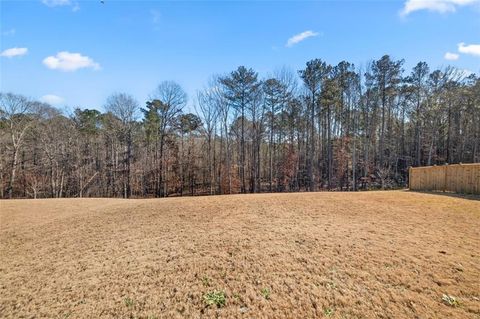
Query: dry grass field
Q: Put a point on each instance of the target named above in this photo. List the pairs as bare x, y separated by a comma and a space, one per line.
305, 255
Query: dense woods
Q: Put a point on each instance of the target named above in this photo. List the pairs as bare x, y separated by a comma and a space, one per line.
322, 128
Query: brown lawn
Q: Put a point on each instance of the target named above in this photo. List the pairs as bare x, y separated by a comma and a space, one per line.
305, 255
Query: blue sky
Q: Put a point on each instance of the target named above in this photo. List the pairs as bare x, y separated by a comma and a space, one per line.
76, 53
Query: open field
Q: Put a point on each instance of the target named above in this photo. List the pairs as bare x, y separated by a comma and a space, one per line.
303, 255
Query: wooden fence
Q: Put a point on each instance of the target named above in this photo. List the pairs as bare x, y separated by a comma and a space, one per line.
459, 178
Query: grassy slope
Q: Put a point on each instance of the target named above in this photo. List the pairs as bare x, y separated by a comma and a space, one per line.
342, 255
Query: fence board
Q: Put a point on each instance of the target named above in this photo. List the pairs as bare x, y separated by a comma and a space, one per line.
459, 178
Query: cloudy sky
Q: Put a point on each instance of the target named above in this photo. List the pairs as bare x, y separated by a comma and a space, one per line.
76, 53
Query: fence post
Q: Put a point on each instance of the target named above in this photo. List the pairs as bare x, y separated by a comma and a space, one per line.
410, 178
445, 180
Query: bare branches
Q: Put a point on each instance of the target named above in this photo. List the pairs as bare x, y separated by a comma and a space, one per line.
123, 106
172, 95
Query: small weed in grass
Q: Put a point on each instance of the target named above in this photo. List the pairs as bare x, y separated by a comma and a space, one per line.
265, 293
328, 312
450, 301
215, 297
206, 281
129, 302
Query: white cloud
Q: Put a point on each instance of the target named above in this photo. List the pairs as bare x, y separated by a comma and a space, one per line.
10, 53
52, 99
451, 56
442, 6
473, 49
60, 3
66, 61
8, 32
300, 37
56, 3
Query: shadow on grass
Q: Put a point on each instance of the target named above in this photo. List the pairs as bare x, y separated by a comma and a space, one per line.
450, 194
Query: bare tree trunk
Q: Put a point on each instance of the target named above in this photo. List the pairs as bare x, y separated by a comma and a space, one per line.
13, 172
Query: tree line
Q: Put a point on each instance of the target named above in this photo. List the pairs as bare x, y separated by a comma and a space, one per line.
322, 128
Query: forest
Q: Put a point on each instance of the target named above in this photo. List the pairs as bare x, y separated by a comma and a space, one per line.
324, 127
